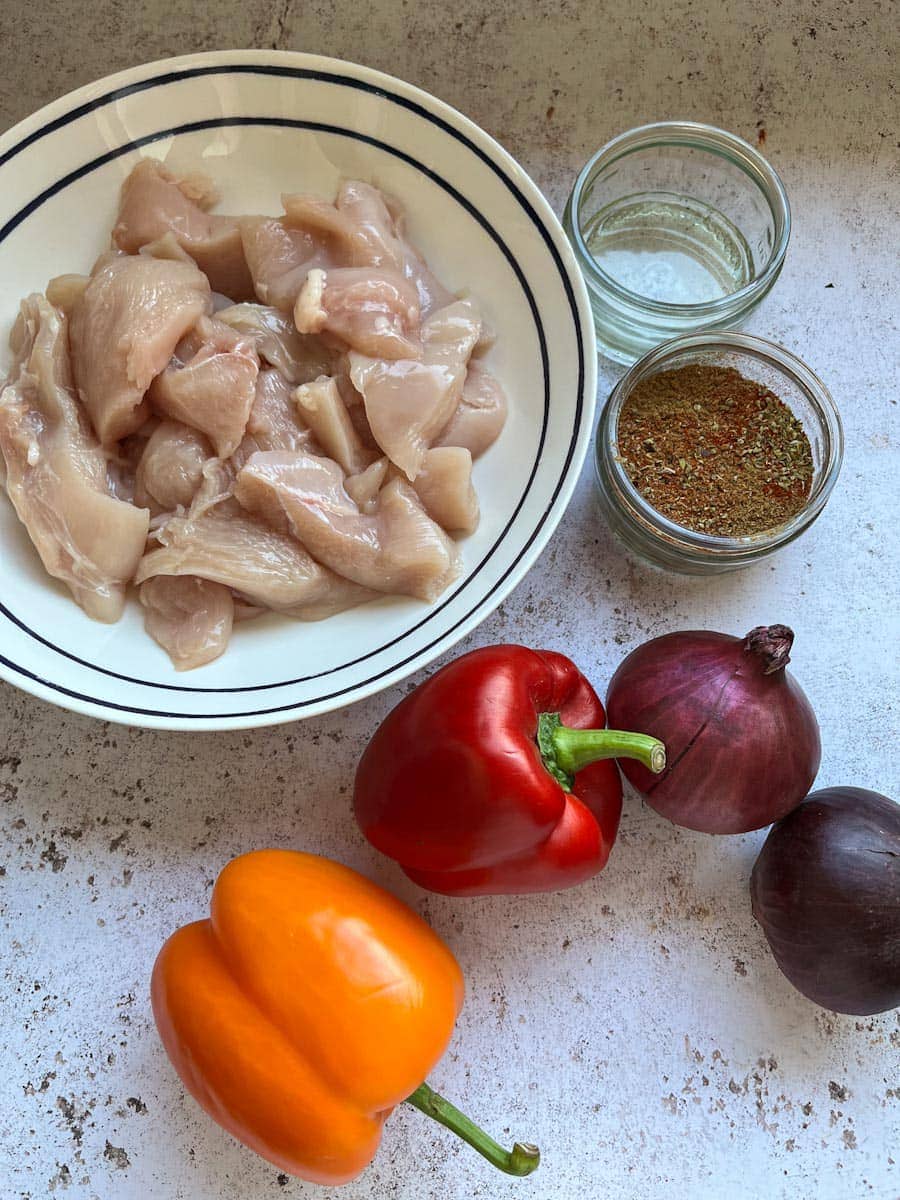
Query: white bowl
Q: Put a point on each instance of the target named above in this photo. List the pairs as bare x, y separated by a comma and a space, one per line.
264, 122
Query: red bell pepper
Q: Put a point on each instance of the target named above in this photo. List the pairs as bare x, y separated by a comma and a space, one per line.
492, 776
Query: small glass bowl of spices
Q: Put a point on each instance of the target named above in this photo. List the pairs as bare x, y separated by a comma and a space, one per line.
714, 451
676, 227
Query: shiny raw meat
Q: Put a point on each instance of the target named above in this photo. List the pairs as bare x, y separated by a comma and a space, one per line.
211, 384
168, 247
363, 488
64, 291
275, 422
444, 485
363, 228
122, 333
190, 618
386, 245
170, 469
396, 549
217, 541
339, 241
56, 471
244, 610
322, 408
122, 463
481, 415
355, 404
279, 259
373, 312
155, 202
299, 357
409, 403
303, 453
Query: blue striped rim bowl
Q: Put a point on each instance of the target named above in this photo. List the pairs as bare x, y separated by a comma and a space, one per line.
262, 123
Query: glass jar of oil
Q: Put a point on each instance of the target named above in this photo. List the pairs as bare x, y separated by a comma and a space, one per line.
677, 226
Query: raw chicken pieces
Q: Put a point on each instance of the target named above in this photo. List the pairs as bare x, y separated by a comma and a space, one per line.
409, 402
363, 229
444, 486
275, 422
154, 202
321, 406
363, 488
299, 359
210, 384
190, 618
480, 416
337, 240
123, 330
56, 472
381, 230
374, 312
64, 291
279, 259
271, 569
170, 469
396, 549
247, 414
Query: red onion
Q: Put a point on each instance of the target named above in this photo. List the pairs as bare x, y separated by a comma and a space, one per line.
826, 890
742, 740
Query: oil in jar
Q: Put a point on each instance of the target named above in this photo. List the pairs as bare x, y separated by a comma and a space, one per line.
669, 248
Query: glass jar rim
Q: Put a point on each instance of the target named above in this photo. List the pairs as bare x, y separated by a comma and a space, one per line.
691, 540
693, 134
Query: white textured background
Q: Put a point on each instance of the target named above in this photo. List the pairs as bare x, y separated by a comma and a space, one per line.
637, 1027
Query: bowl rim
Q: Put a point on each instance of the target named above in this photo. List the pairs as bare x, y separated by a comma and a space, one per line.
679, 538
712, 139
108, 89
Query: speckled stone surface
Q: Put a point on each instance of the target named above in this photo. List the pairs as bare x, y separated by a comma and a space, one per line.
636, 1028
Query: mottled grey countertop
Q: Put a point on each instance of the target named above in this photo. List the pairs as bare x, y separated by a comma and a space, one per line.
636, 1027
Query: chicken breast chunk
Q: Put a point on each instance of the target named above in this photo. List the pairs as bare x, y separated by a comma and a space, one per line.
190, 618
210, 384
480, 415
55, 471
408, 403
215, 540
300, 358
275, 422
279, 259
444, 485
385, 243
323, 410
123, 331
373, 312
170, 470
398, 548
154, 202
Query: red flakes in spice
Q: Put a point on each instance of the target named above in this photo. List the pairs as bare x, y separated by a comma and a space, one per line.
715, 452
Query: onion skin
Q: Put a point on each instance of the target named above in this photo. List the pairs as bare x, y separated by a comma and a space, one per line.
826, 891
741, 738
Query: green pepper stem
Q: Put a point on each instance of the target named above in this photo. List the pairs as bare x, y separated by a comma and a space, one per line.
521, 1160
565, 751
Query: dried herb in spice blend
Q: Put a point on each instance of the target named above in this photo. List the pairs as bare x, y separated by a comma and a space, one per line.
713, 451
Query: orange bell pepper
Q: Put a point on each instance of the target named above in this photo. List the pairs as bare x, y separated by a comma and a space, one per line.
305, 1009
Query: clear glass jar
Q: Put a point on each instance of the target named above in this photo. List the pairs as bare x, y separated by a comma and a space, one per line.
676, 226
660, 541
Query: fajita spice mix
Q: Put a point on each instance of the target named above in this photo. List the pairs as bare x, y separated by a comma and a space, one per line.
713, 451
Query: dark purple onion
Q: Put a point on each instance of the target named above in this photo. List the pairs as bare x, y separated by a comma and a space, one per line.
742, 740
826, 890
